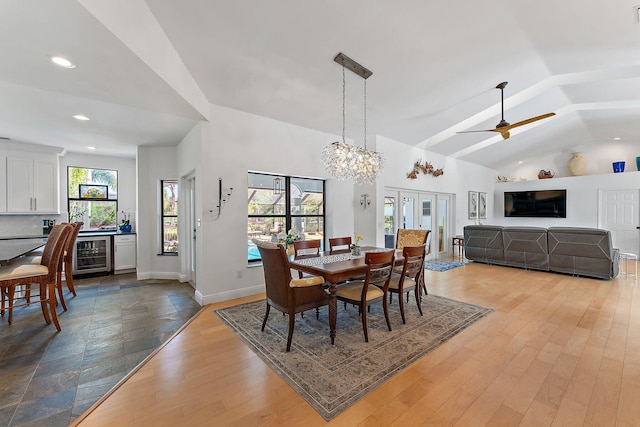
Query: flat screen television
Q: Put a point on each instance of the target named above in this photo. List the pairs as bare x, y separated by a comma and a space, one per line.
536, 204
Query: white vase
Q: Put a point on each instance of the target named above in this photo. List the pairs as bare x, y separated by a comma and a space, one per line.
577, 164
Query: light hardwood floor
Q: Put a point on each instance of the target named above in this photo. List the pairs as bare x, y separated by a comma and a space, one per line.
557, 350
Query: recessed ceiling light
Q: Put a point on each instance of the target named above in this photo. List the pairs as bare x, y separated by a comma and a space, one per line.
63, 62
81, 117
520, 162
91, 148
617, 138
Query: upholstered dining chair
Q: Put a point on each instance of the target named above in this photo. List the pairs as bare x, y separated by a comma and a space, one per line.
288, 295
372, 289
409, 279
412, 237
44, 274
339, 244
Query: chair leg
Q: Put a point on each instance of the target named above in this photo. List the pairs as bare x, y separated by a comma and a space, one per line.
43, 303
401, 302
68, 276
317, 313
364, 322
417, 291
59, 288
10, 297
385, 308
266, 315
52, 304
292, 322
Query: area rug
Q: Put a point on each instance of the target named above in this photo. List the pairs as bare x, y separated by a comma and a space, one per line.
333, 377
442, 265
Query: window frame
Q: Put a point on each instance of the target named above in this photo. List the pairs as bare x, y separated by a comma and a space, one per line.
163, 216
86, 227
288, 216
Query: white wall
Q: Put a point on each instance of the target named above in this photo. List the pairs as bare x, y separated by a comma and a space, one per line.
154, 164
582, 198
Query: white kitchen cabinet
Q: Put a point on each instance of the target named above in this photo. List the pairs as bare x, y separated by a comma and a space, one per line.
124, 252
32, 183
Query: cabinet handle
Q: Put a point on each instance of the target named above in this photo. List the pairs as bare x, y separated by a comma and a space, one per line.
35, 203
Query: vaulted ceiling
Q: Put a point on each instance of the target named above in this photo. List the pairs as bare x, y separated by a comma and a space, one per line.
146, 70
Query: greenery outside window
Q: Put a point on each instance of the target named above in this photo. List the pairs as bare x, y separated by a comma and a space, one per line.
97, 206
279, 203
169, 220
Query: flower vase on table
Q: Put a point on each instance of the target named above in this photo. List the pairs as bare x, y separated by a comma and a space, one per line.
355, 247
355, 250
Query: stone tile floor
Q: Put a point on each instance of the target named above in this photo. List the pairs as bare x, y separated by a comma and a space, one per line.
49, 378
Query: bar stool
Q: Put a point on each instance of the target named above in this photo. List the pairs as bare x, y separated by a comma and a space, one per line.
625, 257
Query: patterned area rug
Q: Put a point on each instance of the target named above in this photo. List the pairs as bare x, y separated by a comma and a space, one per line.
442, 265
333, 377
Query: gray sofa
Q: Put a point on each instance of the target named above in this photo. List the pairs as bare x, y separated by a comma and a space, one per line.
571, 250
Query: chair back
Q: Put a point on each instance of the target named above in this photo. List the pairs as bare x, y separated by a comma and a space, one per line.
54, 247
413, 261
410, 237
380, 268
277, 274
339, 244
71, 241
306, 247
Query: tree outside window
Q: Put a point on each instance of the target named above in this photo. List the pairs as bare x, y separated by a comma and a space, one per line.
169, 233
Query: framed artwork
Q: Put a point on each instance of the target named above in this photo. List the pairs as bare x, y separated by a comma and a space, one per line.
473, 204
93, 191
482, 205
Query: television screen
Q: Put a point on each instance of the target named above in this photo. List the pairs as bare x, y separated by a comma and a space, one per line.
536, 204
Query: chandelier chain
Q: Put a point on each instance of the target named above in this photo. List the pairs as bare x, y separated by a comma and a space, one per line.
365, 114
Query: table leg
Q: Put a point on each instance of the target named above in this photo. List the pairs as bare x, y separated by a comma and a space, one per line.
333, 311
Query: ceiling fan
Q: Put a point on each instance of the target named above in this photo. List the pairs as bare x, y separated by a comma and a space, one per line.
504, 126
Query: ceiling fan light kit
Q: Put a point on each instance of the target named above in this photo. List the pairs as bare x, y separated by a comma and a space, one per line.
504, 126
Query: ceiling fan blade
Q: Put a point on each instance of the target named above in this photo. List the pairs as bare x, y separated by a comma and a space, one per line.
531, 120
480, 130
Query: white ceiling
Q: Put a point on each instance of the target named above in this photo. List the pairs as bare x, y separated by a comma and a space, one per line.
141, 66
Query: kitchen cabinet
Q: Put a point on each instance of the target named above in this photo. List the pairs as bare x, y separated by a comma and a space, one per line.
124, 252
32, 183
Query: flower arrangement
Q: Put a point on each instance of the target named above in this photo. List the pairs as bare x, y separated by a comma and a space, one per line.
291, 236
356, 240
125, 223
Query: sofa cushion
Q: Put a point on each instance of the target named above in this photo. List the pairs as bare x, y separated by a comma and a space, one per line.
526, 247
582, 251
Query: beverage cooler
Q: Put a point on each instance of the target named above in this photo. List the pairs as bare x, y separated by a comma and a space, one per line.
92, 254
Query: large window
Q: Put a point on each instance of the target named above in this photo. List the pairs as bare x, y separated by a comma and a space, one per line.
169, 233
277, 204
92, 197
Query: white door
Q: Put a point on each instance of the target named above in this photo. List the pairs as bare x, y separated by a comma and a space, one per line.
618, 212
409, 218
427, 215
444, 224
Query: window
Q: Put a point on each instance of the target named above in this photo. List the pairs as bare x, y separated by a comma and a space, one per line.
92, 197
169, 220
278, 203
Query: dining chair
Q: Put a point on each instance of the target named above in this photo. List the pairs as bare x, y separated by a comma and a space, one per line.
412, 237
372, 289
409, 278
339, 244
302, 248
65, 264
288, 295
44, 274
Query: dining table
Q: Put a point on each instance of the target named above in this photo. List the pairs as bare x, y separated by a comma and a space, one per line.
337, 267
12, 248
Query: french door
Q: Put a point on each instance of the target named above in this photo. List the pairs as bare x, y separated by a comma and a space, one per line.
419, 210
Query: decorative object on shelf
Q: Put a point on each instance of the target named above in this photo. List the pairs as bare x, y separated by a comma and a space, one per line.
344, 161
505, 179
473, 205
577, 164
365, 201
638, 163
426, 168
355, 247
618, 167
544, 174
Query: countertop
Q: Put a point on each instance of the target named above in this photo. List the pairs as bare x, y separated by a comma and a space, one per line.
81, 234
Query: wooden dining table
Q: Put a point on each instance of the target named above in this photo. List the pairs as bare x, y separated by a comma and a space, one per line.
335, 268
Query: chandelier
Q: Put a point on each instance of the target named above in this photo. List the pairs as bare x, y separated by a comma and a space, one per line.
345, 161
